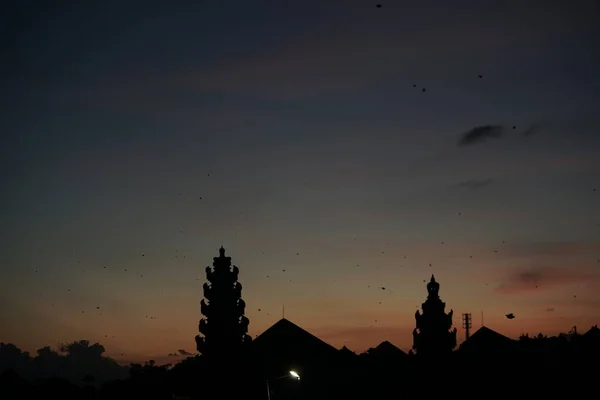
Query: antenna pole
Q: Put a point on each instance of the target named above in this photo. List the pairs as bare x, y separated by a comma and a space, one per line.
282, 311
466, 321
482, 319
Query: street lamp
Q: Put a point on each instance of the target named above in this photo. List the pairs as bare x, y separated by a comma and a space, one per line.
292, 374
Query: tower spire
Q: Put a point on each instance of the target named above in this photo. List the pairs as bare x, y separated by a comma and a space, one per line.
224, 327
434, 334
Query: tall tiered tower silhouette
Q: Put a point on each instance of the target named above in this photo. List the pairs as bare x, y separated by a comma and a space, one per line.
434, 335
224, 328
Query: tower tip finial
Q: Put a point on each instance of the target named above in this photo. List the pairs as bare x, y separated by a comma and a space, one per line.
432, 278
222, 251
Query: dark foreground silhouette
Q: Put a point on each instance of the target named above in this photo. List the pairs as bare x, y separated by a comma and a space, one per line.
536, 365
287, 362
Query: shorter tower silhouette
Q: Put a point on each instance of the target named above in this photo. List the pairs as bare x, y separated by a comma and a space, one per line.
434, 335
224, 328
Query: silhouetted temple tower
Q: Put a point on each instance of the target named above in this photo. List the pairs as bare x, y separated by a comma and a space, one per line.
225, 327
434, 335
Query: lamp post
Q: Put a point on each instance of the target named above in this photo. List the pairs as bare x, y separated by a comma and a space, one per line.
291, 374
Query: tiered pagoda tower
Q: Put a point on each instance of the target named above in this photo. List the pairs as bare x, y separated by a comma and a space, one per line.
434, 335
224, 328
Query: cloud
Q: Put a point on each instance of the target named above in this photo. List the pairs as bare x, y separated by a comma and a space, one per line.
538, 278
581, 303
574, 162
333, 51
554, 249
480, 134
180, 353
475, 184
532, 130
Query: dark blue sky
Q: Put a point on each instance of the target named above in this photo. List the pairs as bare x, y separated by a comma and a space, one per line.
298, 124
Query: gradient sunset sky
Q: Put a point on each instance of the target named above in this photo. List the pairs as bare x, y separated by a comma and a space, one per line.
138, 137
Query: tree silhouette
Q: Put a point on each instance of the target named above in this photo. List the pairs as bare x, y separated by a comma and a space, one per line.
82, 349
89, 379
72, 361
12, 357
48, 363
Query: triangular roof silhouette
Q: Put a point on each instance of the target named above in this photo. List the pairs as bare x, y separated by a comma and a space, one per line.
485, 337
11, 377
346, 353
387, 348
286, 333
593, 332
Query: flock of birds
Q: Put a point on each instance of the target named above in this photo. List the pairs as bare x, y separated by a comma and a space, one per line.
509, 316
382, 288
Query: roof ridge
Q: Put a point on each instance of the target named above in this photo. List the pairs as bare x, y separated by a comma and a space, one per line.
283, 322
485, 330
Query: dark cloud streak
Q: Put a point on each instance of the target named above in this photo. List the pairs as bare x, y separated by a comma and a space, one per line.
532, 130
552, 249
475, 184
543, 277
479, 134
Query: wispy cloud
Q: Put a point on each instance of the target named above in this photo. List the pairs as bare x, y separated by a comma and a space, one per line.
533, 129
180, 353
542, 277
475, 184
574, 162
339, 51
554, 249
480, 134
580, 303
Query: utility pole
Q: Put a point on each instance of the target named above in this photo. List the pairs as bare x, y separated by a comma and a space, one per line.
466, 323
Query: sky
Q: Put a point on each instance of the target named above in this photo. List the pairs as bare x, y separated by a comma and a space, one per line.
352, 146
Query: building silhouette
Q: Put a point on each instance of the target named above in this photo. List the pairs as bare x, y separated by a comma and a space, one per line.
231, 365
285, 346
433, 335
224, 326
224, 342
487, 342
